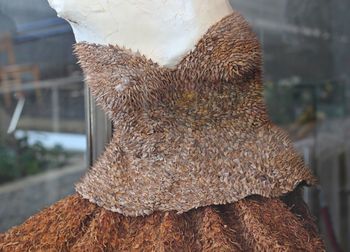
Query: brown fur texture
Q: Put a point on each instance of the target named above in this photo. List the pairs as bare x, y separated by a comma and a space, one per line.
191, 147
252, 224
190, 136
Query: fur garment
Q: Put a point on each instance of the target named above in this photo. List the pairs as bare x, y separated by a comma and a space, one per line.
253, 224
190, 136
194, 163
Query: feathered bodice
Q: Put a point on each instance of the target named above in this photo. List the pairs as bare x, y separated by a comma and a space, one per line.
194, 135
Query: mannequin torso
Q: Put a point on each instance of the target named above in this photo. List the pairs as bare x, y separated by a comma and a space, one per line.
162, 30
194, 139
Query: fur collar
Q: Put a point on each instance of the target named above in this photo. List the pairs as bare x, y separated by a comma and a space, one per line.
190, 136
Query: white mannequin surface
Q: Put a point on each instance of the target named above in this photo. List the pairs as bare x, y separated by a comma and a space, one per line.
162, 30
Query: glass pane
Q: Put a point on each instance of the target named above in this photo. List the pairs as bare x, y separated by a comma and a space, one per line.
42, 131
42, 117
306, 64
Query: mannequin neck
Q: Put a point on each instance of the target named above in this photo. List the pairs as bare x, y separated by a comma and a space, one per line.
163, 31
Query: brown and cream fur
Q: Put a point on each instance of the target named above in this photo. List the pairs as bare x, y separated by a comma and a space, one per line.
190, 136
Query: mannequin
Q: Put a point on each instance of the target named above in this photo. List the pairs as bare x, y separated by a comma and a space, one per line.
162, 30
194, 163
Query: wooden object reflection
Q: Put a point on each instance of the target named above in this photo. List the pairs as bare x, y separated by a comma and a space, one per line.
11, 73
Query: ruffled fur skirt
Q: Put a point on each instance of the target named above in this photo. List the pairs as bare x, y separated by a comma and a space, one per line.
252, 224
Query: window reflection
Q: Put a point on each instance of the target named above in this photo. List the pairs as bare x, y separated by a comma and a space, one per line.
42, 128
42, 118
306, 67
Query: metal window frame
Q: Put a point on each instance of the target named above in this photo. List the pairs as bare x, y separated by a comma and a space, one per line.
99, 129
